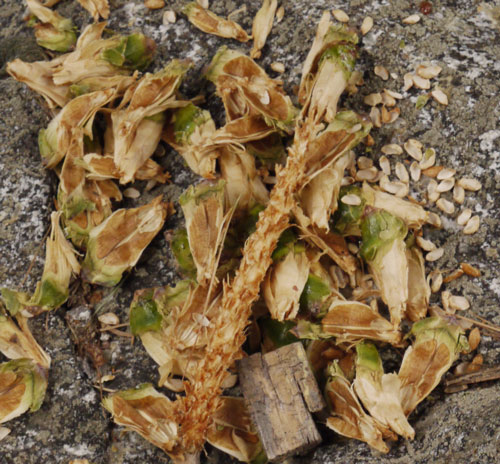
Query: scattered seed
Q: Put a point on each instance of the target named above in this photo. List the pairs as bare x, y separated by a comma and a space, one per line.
369, 174
440, 96
381, 72
445, 301
375, 117
169, 17
150, 185
429, 72
475, 364
453, 276
415, 171
459, 303
389, 187
425, 244
472, 225
412, 19
340, 16
432, 193
434, 255
154, 4
408, 81
351, 199
393, 94
436, 280
348, 180
458, 194
421, 83
280, 13
472, 185
434, 220
393, 115
369, 142
433, 171
402, 189
445, 206
388, 100
385, 165
373, 99
446, 173
428, 159
413, 148
446, 185
474, 338
385, 115
366, 25
109, 319
131, 193
364, 162
402, 173
392, 149
278, 67
464, 217
470, 270
394, 75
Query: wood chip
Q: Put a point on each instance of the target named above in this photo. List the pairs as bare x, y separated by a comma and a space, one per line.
415, 171
429, 72
445, 206
470, 270
402, 173
278, 67
109, 319
440, 96
366, 25
434, 255
425, 244
464, 217
421, 83
408, 81
472, 225
154, 4
412, 19
381, 72
445, 185
392, 149
341, 16
472, 185
280, 13
459, 303
458, 194
385, 165
281, 392
169, 17
373, 99
131, 193
474, 338
414, 149
436, 280
351, 199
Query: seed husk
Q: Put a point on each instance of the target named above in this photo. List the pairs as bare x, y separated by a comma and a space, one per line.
434, 220
459, 303
381, 72
453, 276
393, 94
369, 174
445, 185
341, 16
351, 199
408, 81
472, 225
446, 173
414, 149
464, 217
387, 100
474, 338
436, 280
412, 19
169, 17
375, 117
432, 193
433, 171
364, 162
280, 13
473, 185
429, 72
415, 171
445, 205
434, 255
366, 25
278, 67
425, 244
384, 165
470, 270
109, 319
154, 4
458, 194
421, 83
393, 115
392, 149
373, 99
428, 159
131, 193
402, 173
440, 96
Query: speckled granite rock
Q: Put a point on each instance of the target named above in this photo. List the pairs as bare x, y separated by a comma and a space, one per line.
459, 428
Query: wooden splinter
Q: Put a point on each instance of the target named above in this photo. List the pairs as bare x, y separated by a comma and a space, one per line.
281, 393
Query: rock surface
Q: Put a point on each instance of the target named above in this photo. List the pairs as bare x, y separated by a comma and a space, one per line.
461, 36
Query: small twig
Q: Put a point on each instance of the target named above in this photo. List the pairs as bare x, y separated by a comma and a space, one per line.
488, 326
117, 326
483, 375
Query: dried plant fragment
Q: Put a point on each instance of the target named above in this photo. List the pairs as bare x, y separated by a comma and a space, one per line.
262, 24
204, 210
22, 387
115, 245
436, 347
380, 393
383, 248
138, 121
348, 417
147, 412
54, 32
419, 291
233, 432
97, 8
350, 321
210, 23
